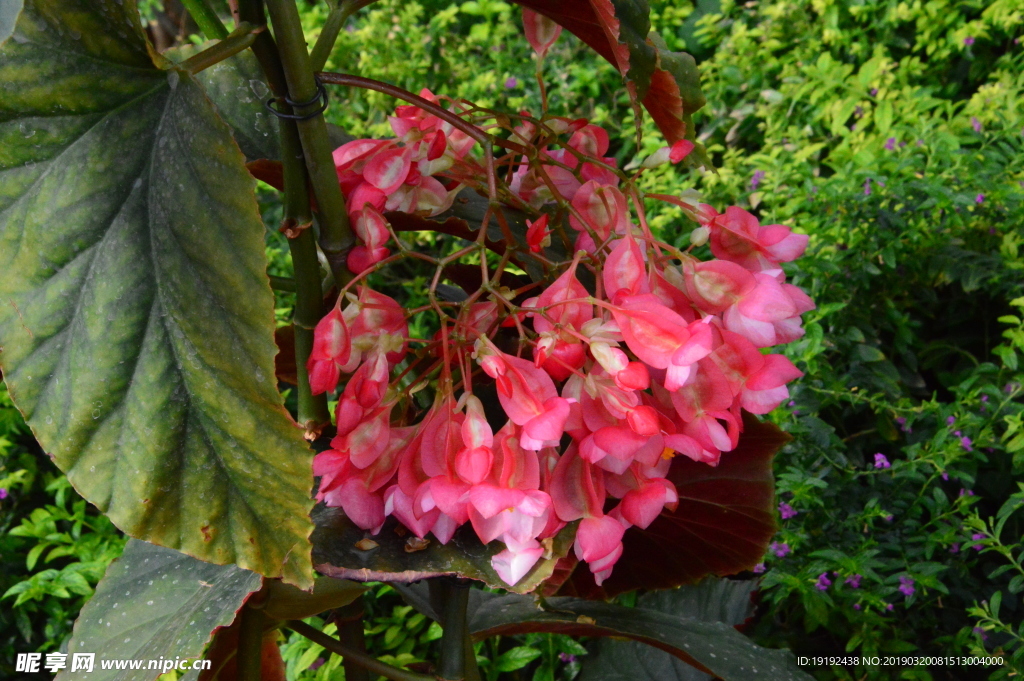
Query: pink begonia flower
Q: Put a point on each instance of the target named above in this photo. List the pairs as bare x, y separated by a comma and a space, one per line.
541, 32
625, 272
599, 543
527, 394
332, 347
603, 209
538, 236
738, 236
371, 229
661, 338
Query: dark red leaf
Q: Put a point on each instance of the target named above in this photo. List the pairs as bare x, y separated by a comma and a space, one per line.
725, 519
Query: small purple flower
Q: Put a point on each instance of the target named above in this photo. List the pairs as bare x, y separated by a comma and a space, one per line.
969, 40
759, 568
791, 403
889, 518
874, 91
980, 632
966, 492
786, 511
867, 187
881, 461
889, 607
856, 606
853, 581
3, 493
317, 663
903, 424
890, 143
976, 536
945, 476
566, 658
511, 82
823, 582
980, 198
756, 179
950, 420
780, 549
955, 548
906, 586
976, 124
984, 398
966, 443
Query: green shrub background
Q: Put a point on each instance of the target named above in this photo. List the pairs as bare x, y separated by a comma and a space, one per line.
893, 134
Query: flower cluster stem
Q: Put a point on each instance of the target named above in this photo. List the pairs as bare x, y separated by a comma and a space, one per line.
454, 641
250, 645
336, 237
241, 38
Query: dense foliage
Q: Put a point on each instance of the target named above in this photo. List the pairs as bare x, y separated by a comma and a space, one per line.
889, 132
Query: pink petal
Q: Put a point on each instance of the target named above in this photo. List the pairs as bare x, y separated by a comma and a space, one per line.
598, 538
512, 567
388, 169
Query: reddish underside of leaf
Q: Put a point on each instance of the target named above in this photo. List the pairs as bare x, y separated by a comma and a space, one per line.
725, 519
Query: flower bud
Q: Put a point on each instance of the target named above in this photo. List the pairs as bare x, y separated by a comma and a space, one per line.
699, 236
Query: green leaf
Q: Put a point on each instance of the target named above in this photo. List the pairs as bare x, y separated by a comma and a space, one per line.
713, 600
516, 658
9, 11
155, 602
137, 324
713, 647
237, 88
389, 558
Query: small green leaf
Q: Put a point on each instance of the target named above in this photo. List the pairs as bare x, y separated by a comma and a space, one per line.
516, 658
156, 603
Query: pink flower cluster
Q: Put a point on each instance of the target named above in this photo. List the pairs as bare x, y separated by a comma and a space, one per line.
656, 360
397, 175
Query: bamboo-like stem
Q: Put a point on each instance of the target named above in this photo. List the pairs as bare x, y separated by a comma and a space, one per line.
313, 414
207, 20
370, 663
249, 658
330, 30
239, 39
452, 665
336, 237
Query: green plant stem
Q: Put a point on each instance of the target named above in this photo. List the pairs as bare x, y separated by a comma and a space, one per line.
249, 658
241, 38
349, 620
335, 233
207, 20
370, 663
282, 283
313, 413
330, 30
265, 50
452, 665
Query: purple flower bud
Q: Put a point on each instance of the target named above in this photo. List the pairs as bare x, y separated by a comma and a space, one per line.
791, 403
950, 420
511, 82
823, 582
881, 461
853, 581
976, 124
890, 143
984, 398
906, 586
856, 606
976, 536
980, 632
759, 568
957, 433
3, 493
889, 518
317, 663
786, 511
867, 187
980, 198
889, 607
756, 179
966, 443
955, 548
969, 40
945, 476
566, 658
780, 549
874, 91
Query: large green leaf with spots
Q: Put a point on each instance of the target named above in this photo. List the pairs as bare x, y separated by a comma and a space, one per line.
136, 324
156, 603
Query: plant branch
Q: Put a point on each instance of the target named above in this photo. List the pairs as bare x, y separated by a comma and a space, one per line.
452, 665
349, 620
313, 413
336, 237
207, 20
239, 39
249, 658
371, 663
